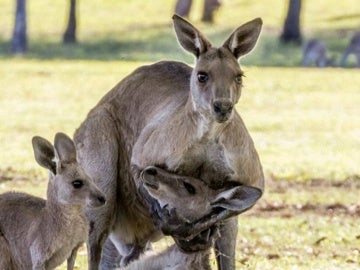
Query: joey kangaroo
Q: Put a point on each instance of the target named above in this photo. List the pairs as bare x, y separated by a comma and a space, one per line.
352, 48
178, 118
315, 52
41, 234
191, 199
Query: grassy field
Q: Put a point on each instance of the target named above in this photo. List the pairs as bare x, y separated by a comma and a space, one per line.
305, 122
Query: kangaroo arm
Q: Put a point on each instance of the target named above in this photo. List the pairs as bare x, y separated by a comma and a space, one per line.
241, 154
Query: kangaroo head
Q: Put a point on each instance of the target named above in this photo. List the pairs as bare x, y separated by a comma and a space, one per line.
191, 198
216, 79
68, 184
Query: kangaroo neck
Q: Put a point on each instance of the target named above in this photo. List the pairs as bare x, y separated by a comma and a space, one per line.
54, 206
204, 124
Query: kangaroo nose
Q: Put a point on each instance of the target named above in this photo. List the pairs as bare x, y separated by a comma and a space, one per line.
151, 171
222, 108
101, 199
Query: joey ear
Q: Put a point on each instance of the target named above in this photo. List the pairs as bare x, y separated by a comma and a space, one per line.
44, 153
64, 149
190, 38
244, 38
238, 199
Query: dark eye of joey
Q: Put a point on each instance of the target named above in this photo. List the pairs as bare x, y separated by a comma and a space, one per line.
190, 188
77, 183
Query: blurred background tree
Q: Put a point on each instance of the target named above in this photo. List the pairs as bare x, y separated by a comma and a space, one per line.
19, 37
70, 32
291, 29
183, 7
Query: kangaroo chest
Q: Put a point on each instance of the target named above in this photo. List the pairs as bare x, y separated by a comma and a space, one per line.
71, 234
184, 152
205, 159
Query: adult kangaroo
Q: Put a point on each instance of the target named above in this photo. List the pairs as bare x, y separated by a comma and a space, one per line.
178, 118
316, 52
352, 48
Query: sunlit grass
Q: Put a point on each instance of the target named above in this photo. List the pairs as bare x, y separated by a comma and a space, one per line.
303, 242
305, 122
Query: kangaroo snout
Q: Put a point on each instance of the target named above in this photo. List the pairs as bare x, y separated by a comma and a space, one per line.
101, 199
222, 110
97, 199
150, 171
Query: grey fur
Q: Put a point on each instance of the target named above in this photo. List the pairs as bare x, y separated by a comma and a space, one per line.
191, 199
161, 115
41, 234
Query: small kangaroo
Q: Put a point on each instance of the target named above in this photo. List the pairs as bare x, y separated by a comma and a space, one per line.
191, 199
315, 52
352, 48
41, 234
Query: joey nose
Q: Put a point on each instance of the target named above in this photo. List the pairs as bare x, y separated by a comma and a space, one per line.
96, 199
101, 199
151, 171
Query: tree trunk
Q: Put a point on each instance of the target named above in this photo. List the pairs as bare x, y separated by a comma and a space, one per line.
70, 32
291, 31
19, 38
210, 6
182, 8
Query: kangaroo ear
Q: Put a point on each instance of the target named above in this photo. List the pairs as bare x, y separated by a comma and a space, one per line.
244, 38
189, 37
238, 199
44, 153
64, 149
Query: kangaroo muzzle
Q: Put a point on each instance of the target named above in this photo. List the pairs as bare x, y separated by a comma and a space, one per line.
222, 110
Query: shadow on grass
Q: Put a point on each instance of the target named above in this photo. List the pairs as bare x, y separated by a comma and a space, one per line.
159, 43
136, 46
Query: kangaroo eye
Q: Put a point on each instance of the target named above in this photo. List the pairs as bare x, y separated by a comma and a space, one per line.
190, 188
202, 77
77, 184
238, 79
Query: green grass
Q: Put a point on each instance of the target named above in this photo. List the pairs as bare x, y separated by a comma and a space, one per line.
303, 128
296, 243
305, 122
123, 30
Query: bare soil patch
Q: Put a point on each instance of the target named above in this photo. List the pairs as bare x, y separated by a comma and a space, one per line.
269, 208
